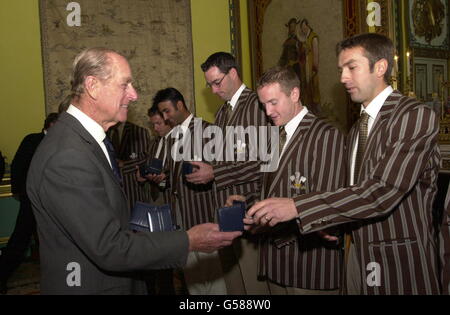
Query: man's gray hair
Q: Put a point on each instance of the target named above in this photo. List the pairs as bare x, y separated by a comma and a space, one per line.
90, 62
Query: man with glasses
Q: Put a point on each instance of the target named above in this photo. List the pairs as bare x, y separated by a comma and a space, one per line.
241, 108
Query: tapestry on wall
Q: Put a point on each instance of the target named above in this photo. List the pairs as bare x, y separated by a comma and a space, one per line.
154, 35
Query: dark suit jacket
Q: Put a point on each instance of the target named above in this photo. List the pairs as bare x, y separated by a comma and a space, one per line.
22, 160
240, 178
391, 204
315, 152
82, 217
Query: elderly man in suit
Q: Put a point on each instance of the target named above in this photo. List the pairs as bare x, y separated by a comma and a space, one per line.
295, 263
241, 109
81, 211
393, 158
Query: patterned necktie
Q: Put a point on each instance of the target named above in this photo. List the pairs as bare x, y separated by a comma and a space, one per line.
112, 158
228, 112
364, 119
283, 136
282, 141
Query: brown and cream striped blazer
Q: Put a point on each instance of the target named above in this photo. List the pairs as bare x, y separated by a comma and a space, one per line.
196, 203
133, 151
445, 246
315, 152
390, 205
240, 178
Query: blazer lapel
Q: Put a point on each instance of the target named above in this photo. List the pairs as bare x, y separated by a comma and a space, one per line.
291, 146
379, 123
90, 141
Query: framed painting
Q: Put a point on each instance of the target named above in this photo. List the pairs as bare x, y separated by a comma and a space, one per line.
303, 35
429, 28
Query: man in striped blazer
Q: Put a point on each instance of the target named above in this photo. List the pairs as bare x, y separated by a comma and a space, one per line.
157, 149
294, 263
131, 142
159, 282
191, 203
241, 108
392, 249
445, 246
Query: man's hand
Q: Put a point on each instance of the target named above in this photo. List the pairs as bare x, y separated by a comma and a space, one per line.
328, 237
139, 178
152, 178
156, 178
207, 238
272, 211
232, 198
202, 173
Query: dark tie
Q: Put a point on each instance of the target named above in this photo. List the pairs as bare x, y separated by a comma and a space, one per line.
281, 142
283, 136
115, 138
112, 158
228, 112
364, 119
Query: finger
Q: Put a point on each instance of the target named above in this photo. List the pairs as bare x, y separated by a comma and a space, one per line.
256, 207
197, 164
249, 221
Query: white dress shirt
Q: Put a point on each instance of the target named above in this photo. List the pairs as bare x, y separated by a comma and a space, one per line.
94, 129
236, 96
291, 126
160, 145
372, 110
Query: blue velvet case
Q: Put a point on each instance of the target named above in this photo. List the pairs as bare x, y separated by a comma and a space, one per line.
146, 217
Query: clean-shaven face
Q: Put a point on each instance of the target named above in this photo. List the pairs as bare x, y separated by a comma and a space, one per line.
356, 76
220, 83
281, 108
116, 93
159, 125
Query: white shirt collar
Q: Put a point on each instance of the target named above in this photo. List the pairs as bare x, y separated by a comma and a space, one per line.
186, 122
94, 129
375, 105
168, 134
292, 125
236, 96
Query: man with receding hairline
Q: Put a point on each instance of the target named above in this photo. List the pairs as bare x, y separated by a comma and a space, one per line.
75, 189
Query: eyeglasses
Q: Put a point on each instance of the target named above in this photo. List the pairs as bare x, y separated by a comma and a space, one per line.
216, 83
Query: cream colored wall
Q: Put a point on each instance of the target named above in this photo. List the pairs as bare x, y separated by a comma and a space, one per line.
21, 84
211, 33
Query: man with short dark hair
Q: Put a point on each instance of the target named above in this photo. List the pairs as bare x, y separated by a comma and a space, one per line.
81, 211
393, 159
241, 109
192, 204
25, 227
